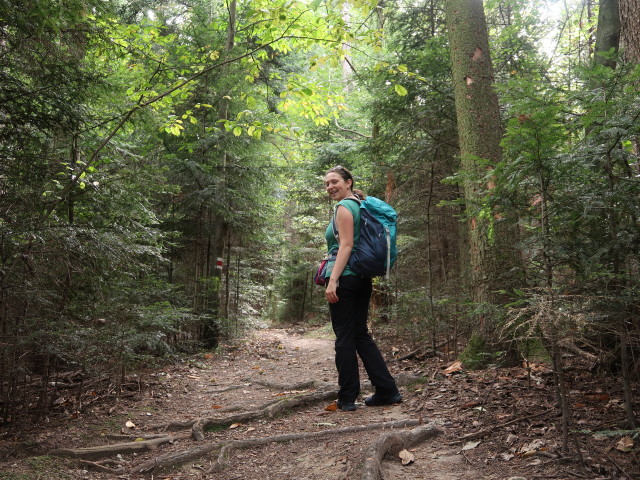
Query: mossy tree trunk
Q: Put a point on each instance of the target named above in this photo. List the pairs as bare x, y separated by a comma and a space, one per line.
479, 132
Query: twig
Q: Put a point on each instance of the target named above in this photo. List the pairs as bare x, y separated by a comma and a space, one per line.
486, 431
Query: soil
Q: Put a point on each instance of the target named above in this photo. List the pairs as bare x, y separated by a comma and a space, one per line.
489, 424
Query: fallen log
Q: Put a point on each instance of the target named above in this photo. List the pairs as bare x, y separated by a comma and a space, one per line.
393, 443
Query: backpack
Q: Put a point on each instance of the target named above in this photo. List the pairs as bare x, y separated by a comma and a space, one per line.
376, 252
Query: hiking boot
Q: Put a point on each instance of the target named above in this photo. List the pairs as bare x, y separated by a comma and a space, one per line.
377, 400
346, 406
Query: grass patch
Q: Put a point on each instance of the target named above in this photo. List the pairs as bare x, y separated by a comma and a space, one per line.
46, 466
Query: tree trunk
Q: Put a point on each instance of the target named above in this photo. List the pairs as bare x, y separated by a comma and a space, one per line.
479, 133
608, 32
220, 226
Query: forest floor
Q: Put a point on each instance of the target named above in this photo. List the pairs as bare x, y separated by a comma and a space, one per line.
268, 400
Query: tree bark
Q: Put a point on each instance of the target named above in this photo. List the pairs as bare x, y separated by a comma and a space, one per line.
630, 29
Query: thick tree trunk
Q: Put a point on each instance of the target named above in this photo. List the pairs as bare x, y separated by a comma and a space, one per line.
479, 132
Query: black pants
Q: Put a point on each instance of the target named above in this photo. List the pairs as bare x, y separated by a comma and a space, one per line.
349, 321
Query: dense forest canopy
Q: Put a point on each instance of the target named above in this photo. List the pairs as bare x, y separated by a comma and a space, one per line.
161, 170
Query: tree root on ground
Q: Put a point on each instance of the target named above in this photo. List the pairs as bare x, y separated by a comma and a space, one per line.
296, 386
269, 410
89, 455
173, 459
103, 451
393, 443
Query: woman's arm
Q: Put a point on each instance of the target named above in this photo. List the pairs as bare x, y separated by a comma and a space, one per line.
344, 223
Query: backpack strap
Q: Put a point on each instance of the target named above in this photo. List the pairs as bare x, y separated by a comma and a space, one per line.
334, 226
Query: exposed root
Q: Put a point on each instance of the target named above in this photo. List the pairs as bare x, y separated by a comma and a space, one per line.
270, 411
296, 386
171, 460
198, 426
99, 467
103, 451
393, 443
165, 462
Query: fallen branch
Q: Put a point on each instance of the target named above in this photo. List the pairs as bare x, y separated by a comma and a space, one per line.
393, 443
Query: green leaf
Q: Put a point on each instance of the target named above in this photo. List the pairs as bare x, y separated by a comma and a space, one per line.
237, 131
400, 90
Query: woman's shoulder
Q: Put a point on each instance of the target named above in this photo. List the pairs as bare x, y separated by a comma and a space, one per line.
351, 204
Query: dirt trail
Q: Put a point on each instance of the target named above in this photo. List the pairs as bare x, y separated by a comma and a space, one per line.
277, 385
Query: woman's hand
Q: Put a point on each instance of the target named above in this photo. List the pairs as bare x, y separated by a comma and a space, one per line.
331, 292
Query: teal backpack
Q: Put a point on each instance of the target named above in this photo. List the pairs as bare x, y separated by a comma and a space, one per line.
376, 252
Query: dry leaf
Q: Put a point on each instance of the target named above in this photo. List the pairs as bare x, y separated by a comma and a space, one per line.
235, 425
208, 355
406, 457
471, 445
332, 407
130, 424
625, 444
598, 397
215, 407
455, 367
532, 448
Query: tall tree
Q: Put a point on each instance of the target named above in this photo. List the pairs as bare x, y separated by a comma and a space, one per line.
479, 133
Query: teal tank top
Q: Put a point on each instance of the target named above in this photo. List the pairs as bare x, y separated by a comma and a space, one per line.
332, 241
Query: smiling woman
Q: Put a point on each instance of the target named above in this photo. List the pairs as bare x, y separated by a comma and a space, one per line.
348, 295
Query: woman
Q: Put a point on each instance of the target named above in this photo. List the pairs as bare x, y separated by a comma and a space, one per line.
348, 295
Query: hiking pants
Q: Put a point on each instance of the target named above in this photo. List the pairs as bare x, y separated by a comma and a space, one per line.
349, 321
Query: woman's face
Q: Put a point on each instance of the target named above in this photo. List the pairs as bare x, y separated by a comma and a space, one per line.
337, 187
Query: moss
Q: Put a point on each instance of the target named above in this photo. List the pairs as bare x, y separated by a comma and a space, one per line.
49, 467
475, 356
